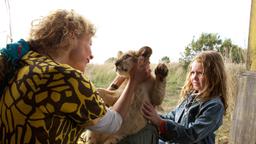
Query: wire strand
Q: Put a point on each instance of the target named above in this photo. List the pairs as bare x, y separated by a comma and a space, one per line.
7, 4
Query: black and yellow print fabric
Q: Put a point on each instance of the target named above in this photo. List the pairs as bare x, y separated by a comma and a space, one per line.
47, 103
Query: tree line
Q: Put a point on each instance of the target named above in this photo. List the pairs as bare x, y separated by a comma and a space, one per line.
211, 41
207, 41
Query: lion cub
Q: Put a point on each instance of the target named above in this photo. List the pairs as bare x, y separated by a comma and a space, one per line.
152, 90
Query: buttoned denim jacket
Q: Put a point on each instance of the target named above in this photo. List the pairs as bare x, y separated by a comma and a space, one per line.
194, 121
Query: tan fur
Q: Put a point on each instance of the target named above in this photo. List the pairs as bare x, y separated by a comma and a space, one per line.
152, 90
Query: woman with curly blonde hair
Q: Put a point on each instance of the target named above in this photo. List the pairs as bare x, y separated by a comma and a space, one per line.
45, 96
203, 103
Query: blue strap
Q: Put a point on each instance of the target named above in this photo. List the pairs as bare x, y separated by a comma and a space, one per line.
13, 53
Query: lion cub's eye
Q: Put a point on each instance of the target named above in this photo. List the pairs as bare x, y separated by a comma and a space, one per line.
126, 56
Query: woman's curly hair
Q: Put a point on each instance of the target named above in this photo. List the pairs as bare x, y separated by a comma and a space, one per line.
52, 35
58, 31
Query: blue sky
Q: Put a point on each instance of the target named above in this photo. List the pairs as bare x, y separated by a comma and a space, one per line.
165, 25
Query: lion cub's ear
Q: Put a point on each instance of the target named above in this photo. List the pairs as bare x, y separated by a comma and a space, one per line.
119, 54
145, 51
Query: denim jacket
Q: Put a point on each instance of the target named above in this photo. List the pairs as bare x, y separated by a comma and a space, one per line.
194, 121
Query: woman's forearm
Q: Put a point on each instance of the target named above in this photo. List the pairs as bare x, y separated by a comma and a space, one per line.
125, 100
116, 83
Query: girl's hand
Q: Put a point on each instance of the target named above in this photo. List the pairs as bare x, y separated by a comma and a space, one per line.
150, 113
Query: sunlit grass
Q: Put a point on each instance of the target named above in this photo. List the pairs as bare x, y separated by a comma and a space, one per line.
101, 74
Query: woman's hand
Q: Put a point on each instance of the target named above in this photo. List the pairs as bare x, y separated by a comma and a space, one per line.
116, 83
150, 113
141, 71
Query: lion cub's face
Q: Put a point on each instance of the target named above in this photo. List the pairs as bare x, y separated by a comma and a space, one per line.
126, 61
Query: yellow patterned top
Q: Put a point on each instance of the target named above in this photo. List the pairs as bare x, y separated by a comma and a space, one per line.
47, 102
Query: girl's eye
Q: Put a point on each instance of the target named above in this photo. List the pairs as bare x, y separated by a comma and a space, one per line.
200, 74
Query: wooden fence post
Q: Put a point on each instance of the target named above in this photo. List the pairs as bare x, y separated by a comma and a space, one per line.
251, 52
243, 128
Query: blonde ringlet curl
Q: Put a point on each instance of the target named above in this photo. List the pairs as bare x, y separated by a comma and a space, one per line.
57, 32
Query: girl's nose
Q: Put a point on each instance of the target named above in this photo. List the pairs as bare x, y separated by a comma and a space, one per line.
195, 76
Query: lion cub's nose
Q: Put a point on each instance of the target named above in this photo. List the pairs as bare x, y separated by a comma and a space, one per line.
117, 62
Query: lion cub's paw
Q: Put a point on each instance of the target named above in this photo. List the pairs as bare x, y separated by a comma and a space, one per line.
161, 71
